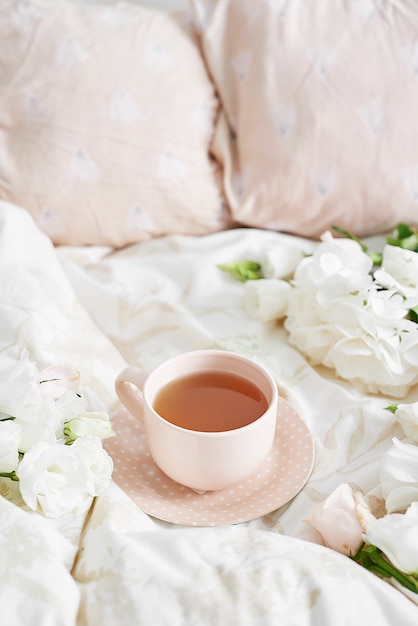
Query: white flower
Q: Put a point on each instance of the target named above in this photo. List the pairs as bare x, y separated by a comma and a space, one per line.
20, 398
55, 381
340, 317
56, 477
10, 433
399, 476
53, 477
37, 421
407, 416
90, 423
267, 299
18, 383
341, 519
399, 269
74, 420
397, 536
341, 258
68, 407
280, 261
98, 464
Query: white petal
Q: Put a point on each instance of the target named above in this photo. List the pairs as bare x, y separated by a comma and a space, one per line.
267, 299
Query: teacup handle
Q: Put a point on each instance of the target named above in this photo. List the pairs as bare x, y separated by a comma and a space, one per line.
130, 398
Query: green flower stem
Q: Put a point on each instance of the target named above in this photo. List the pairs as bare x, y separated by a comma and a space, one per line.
11, 475
376, 257
348, 235
371, 558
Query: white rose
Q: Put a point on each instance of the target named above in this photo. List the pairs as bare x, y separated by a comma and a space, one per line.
98, 464
341, 519
53, 477
267, 299
10, 433
399, 476
396, 536
90, 423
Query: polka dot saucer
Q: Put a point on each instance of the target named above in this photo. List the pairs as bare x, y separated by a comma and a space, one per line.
282, 475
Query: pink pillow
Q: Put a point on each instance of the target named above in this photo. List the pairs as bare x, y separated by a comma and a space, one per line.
106, 118
320, 102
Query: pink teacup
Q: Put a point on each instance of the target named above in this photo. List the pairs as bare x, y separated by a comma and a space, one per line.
218, 416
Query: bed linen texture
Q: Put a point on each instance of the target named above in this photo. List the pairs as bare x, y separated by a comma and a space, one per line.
111, 563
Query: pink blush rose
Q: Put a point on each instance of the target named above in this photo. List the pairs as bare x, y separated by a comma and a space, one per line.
342, 519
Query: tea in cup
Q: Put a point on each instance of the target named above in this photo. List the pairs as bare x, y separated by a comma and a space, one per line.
209, 416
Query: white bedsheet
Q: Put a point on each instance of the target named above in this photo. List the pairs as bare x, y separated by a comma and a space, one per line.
111, 563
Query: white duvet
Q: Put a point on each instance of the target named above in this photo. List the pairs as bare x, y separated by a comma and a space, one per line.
110, 563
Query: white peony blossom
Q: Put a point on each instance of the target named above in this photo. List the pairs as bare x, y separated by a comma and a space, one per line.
267, 299
399, 476
396, 535
10, 434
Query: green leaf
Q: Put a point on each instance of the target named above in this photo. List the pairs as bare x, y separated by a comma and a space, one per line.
413, 314
405, 238
243, 270
392, 408
403, 230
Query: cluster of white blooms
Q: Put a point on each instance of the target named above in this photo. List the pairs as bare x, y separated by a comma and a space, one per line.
342, 315
343, 312
49, 441
347, 525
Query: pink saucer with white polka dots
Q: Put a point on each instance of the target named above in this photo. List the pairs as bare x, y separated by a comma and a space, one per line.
280, 478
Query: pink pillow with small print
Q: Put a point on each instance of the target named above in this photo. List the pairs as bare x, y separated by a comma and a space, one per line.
106, 118
320, 100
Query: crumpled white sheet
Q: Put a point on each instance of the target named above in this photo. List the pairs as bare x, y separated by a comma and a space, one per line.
111, 563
